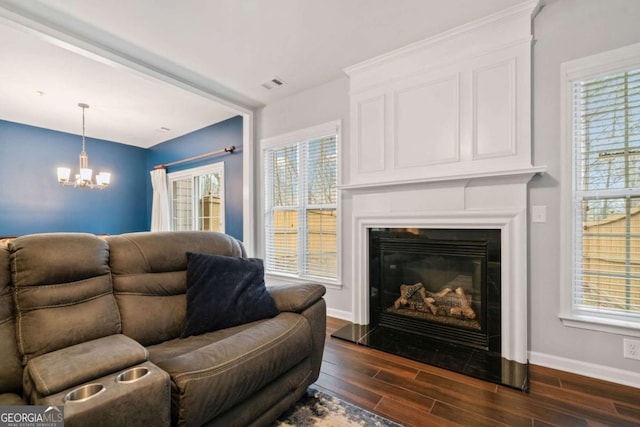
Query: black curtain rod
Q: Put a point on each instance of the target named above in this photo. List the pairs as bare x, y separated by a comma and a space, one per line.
225, 150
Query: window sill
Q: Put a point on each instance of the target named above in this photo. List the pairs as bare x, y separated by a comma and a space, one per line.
593, 323
275, 279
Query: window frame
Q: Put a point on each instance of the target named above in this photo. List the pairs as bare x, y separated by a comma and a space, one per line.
306, 134
217, 167
609, 62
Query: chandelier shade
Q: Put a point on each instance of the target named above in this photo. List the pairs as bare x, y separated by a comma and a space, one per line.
83, 179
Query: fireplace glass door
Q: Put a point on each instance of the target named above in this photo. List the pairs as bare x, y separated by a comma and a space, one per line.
439, 284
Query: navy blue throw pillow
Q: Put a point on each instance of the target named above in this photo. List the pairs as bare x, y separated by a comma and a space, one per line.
223, 292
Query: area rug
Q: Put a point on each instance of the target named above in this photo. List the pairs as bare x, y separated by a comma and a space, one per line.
319, 409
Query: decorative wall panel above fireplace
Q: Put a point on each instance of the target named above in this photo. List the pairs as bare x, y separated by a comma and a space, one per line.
452, 105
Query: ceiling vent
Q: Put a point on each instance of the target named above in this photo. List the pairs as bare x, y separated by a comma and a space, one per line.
273, 83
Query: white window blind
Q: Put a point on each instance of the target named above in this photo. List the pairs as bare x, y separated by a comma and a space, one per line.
301, 208
606, 134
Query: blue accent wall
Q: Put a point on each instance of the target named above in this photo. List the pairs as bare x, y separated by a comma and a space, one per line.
210, 138
32, 201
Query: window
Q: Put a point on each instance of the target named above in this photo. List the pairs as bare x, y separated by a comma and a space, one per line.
605, 136
197, 198
301, 204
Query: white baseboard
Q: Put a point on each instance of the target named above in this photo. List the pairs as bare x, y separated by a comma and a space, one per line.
339, 314
586, 369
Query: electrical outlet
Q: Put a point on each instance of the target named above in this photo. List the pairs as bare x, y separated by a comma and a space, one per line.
631, 349
539, 213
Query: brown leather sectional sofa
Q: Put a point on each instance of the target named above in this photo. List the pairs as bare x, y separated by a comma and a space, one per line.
94, 324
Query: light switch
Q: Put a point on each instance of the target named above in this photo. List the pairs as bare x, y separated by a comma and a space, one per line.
539, 213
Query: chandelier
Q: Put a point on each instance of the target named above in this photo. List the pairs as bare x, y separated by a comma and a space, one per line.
83, 179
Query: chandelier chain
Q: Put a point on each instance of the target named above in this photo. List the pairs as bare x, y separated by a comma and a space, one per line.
83, 144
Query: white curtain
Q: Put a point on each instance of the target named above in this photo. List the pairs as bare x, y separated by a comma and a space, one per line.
160, 213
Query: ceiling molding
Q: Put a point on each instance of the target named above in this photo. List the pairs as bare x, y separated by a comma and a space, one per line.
63, 31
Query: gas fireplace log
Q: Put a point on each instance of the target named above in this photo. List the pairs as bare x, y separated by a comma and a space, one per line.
406, 294
446, 302
453, 303
465, 308
429, 301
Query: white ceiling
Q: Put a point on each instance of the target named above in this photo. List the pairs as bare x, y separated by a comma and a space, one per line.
41, 84
224, 49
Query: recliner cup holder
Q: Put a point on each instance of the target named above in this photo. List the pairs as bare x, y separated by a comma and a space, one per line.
84, 393
132, 375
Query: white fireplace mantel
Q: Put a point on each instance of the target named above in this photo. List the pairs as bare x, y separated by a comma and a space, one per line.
522, 175
511, 223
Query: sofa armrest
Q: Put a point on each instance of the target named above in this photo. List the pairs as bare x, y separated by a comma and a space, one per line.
296, 298
306, 299
70, 366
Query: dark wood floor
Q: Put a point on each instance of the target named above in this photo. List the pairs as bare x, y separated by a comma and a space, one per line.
416, 394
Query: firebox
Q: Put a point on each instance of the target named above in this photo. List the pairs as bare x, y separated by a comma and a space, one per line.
437, 283
434, 296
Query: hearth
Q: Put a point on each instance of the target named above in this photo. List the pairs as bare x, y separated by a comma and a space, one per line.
435, 296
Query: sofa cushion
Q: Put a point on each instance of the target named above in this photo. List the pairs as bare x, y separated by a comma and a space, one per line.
223, 292
149, 270
63, 291
210, 379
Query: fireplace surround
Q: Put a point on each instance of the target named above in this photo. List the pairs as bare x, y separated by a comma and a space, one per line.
434, 296
506, 363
